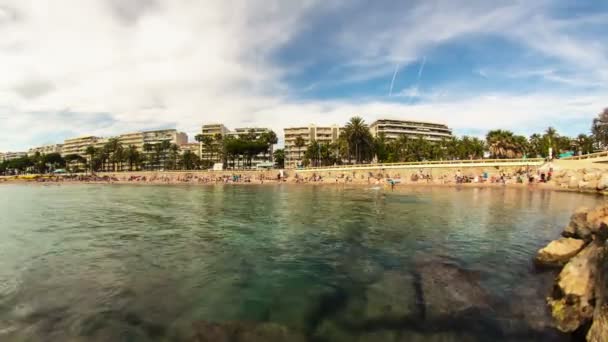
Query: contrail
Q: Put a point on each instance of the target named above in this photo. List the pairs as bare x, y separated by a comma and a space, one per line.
390, 92
418, 80
421, 67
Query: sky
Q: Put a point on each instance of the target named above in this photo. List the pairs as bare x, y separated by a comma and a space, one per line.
103, 67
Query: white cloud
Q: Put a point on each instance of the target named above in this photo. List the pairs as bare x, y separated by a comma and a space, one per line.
129, 65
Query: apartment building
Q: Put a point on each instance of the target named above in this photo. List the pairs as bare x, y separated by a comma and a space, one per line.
45, 149
310, 133
192, 147
78, 145
393, 129
6, 156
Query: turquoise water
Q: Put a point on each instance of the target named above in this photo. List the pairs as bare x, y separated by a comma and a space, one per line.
139, 263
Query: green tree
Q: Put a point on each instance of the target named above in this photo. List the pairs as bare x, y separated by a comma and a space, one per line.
299, 143
359, 139
504, 144
132, 157
279, 158
189, 160
599, 128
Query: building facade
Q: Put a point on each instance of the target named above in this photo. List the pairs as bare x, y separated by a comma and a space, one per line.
78, 145
192, 147
393, 129
310, 133
212, 130
46, 149
6, 156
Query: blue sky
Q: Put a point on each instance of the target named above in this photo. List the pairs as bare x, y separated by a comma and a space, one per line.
105, 67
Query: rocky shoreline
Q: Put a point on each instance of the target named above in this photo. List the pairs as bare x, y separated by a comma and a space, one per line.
579, 299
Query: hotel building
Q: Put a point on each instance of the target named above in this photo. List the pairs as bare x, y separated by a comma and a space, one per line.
393, 129
310, 133
6, 156
46, 149
137, 139
192, 147
78, 145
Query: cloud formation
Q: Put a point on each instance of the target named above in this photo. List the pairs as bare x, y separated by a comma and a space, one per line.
73, 67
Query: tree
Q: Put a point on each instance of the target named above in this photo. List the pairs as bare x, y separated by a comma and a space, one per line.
584, 144
599, 128
208, 144
73, 159
269, 139
173, 155
148, 148
299, 143
504, 144
279, 158
189, 160
359, 139
133, 157
53, 160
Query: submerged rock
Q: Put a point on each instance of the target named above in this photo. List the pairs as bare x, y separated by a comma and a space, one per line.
573, 299
243, 332
558, 252
450, 292
526, 314
392, 298
330, 331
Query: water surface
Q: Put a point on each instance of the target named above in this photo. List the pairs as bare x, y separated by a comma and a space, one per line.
139, 263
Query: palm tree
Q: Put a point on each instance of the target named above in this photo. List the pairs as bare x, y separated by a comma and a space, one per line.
299, 143
504, 144
91, 152
279, 157
147, 149
173, 155
268, 139
358, 137
132, 156
208, 144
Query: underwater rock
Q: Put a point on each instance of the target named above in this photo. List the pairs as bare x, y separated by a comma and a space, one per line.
450, 292
392, 298
243, 332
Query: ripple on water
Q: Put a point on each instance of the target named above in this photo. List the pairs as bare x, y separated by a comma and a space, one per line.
143, 263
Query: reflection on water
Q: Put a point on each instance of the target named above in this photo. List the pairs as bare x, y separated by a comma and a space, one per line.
139, 263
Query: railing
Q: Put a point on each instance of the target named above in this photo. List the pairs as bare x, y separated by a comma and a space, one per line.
529, 161
587, 156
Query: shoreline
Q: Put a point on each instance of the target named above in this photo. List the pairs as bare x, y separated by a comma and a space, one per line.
382, 185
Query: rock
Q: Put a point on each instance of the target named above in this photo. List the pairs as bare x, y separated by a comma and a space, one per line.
588, 185
577, 227
602, 183
592, 176
573, 182
450, 292
527, 312
599, 328
392, 298
573, 296
243, 332
558, 252
332, 331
